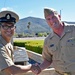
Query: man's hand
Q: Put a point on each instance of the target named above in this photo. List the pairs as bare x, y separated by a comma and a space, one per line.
36, 69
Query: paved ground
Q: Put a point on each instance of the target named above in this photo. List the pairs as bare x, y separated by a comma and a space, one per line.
30, 38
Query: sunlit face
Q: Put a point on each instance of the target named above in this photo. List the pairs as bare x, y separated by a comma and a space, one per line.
53, 21
7, 30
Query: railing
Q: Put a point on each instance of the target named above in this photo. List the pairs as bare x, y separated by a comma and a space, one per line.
38, 58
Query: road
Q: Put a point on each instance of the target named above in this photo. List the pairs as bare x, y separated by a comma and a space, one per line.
30, 38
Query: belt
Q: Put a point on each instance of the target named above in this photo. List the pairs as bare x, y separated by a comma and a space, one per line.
64, 73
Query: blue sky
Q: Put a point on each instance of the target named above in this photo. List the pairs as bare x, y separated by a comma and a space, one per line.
34, 8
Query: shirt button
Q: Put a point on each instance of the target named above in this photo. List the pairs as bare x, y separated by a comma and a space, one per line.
66, 68
64, 61
62, 53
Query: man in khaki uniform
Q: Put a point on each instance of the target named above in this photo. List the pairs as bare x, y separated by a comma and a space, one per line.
59, 46
7, 28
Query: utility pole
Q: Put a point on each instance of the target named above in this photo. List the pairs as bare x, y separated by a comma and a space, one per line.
60, 14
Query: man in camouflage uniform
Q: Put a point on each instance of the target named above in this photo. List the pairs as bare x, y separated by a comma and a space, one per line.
59, 46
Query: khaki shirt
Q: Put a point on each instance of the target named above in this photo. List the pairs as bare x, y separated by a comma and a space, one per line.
5, 55
61, 50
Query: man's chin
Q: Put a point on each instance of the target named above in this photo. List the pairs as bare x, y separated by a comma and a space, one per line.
9, 36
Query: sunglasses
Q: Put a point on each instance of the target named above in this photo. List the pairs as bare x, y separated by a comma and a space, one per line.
5, 27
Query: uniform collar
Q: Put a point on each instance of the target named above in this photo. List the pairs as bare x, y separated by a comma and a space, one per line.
67, 29
2, 40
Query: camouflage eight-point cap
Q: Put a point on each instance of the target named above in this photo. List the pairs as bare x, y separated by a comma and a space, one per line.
48, 11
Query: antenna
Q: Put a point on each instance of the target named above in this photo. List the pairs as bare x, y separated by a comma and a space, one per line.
60, 13
4, 3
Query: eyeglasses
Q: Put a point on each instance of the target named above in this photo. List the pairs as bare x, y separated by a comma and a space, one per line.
5, 27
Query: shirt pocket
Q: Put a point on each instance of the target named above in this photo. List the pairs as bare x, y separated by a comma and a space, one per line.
70, 42
54, 51
70, 46
52, 48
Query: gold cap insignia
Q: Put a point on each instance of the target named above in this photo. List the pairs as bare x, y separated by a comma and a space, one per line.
8, 16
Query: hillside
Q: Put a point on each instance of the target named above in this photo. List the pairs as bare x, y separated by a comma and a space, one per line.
36, 25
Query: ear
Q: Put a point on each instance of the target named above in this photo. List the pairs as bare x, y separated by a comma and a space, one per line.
0, 26
59, 17
15, 27
0, 29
